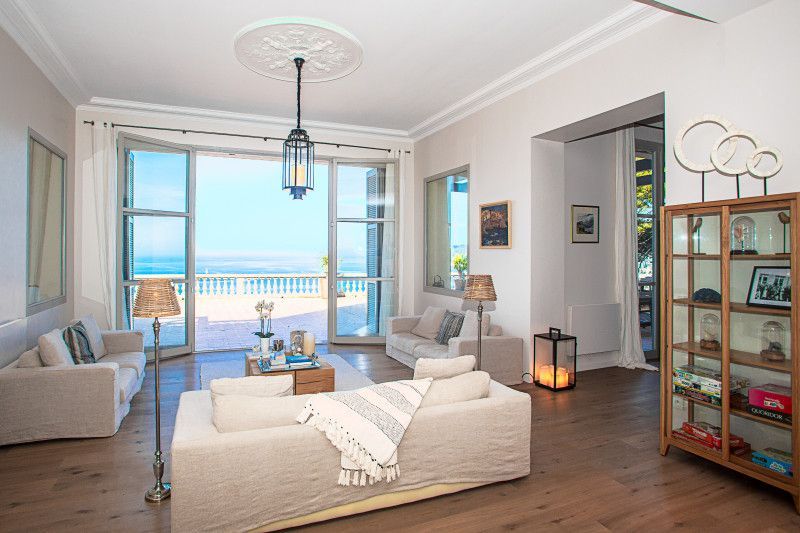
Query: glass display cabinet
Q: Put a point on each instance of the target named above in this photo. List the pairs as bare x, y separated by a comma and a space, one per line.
730, 335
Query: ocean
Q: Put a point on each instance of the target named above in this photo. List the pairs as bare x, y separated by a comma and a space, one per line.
174, 266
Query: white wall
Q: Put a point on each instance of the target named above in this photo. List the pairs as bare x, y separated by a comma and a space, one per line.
745, 69
28, 100
88, 292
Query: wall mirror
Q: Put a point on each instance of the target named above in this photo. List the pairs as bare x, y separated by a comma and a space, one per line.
46, 221
447, 231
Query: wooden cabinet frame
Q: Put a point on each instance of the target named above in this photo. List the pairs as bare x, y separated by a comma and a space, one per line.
725, 209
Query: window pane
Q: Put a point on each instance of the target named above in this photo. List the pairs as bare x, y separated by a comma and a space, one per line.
644, 183
365, 249
173, 328
365, 191
153, 246
362, 307
446, 231
157, 180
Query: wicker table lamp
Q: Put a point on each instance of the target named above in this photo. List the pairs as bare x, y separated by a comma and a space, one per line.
481, 289
155, 297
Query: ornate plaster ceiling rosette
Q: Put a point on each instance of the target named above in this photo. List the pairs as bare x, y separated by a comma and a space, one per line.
269, 48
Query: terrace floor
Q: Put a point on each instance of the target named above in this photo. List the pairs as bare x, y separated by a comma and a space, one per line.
228, 322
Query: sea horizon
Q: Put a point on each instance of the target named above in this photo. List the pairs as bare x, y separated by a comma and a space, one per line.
237, 265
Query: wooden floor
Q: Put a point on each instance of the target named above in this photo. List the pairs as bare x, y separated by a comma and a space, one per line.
595, 467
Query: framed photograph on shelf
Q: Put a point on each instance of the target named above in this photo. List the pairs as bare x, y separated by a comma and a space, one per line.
585, 224
496, 225
771, 286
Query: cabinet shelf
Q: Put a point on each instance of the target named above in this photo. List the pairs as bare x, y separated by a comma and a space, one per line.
698, 401
738, 357
761, 257
735, 307
746, 462
699, 257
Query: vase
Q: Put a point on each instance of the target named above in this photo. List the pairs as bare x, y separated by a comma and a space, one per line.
264, 341
459, 283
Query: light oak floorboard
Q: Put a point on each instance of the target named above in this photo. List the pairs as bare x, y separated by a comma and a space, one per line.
595, 467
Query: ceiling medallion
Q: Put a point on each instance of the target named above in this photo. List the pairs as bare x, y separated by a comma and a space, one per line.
270, 48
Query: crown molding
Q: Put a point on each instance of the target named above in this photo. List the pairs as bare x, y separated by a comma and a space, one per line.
610, 30
110, 105
20, 21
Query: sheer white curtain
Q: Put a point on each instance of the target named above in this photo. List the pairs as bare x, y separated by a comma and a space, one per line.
631, 354
402, 233
104, 186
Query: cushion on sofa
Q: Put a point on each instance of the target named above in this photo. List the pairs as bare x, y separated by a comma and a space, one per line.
95, 336
407, 342
30, 359
429, 322
233, 412
462, 388
134, 360
260, 386
470, 326
432, 351
450, 327
53, 350
78, 343
443, 368
127, 384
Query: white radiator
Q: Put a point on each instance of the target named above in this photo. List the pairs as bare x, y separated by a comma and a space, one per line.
597, 327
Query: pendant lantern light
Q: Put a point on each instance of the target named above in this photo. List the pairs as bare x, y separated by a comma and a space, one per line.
298, 153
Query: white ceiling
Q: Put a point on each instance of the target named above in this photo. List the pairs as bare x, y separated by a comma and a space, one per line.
423, 59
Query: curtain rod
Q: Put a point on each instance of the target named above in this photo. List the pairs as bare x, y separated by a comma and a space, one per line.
243, 135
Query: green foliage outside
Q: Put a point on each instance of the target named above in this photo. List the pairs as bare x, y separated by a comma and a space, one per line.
460, 263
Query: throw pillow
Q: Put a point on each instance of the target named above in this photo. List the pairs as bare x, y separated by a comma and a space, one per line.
30, 359
428, 325
443, 368
94, 335
451, 325
259, 386
469, 386
78, 344
242, 413
53, 350
470, 326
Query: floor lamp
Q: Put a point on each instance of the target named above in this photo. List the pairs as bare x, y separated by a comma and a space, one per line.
480, 288
155, 297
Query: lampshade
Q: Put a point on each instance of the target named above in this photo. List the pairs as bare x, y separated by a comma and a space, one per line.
155, 297
480, 287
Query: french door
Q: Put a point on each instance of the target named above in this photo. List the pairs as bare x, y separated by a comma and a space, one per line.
362, 250
155, 234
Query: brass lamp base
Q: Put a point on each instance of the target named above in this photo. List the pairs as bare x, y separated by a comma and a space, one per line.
161, 491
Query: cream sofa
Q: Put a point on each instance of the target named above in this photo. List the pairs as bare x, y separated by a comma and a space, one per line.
76, 401
501, 356
269, 479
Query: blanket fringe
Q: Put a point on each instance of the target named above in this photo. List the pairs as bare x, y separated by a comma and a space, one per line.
371, 469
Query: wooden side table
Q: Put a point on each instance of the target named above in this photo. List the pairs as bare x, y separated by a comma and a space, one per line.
306, 380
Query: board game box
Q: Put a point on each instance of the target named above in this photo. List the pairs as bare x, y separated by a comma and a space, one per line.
774, 459
772, 397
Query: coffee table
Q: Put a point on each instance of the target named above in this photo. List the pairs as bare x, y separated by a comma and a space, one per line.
309, 380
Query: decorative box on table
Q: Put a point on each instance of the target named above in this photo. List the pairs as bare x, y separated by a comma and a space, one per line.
554, 359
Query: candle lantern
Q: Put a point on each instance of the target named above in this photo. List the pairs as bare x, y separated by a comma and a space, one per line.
554, 358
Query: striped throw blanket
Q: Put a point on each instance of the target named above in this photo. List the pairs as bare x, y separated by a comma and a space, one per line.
366, 425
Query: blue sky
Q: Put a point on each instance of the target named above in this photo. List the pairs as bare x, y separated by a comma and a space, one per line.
244, 220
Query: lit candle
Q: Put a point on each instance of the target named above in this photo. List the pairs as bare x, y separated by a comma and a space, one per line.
562, 377
309, 344
298, 176
546, 375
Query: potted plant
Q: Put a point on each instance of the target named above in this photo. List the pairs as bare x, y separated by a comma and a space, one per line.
460, 264
265, 317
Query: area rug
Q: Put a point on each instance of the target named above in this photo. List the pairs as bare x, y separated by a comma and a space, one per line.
347, 377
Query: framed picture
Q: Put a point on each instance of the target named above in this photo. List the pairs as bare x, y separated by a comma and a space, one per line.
585, 223
496, 225
771, 286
